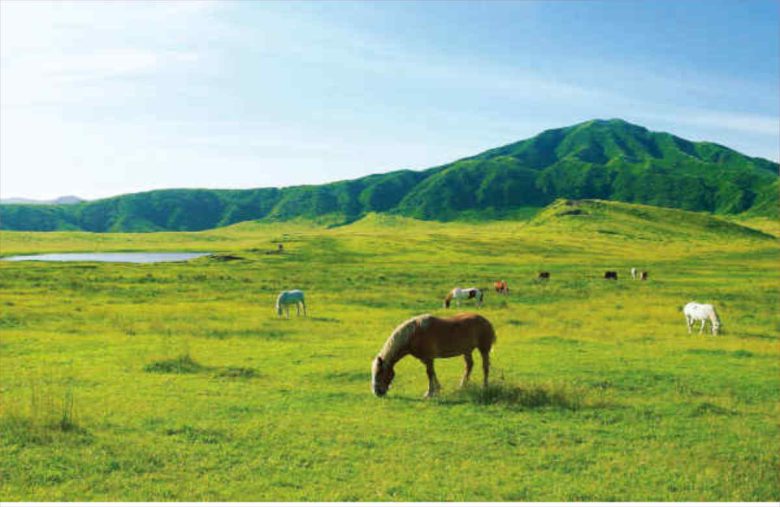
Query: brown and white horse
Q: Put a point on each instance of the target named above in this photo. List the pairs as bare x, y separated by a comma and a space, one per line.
427, 337
457, 294
501, 287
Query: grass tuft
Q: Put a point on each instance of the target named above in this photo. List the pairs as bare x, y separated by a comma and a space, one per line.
181, 364
707, 408
48, 418
196, 435
237, 372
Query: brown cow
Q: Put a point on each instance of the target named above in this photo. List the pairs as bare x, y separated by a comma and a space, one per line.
610, 275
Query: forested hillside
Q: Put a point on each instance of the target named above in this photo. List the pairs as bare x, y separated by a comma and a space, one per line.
602, 159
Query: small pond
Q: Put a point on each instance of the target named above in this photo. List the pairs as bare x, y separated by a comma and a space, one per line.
136, 257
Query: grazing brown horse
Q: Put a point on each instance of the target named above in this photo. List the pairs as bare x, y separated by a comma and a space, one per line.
501, 287
644, 275
543, 275
427, 337
610, 275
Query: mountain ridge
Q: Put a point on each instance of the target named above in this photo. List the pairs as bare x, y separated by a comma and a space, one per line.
65, 199
597, 159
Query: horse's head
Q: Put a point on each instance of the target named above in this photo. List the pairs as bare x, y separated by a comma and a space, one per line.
715, 327
382, 374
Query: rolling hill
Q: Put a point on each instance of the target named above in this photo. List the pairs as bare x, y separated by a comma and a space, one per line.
599, 159
632, 222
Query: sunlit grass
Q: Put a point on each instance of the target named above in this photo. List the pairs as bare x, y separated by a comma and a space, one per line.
178, 382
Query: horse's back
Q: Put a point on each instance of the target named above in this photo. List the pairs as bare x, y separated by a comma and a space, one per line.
291, 295
453, 336
698, 310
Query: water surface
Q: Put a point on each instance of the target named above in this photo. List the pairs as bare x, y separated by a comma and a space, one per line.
136, 257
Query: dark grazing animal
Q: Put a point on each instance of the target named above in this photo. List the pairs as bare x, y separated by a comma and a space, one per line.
543, 275
644, 275
427, 337
501, 287
610, 275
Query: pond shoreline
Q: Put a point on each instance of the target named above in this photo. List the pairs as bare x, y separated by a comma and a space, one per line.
115, 257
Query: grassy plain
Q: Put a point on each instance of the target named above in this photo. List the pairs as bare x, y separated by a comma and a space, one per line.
177, 381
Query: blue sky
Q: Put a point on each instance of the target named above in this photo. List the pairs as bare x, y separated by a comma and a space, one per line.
99, 99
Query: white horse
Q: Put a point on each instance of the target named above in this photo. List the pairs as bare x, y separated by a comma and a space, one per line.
457, 294
696, 311
633, 273
290, 297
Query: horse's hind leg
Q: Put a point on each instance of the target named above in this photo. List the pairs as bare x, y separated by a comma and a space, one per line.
485, 365
433, 382
303, 303
469, 366
703, 323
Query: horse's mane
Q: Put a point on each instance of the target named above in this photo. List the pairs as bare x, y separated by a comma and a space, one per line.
401, 335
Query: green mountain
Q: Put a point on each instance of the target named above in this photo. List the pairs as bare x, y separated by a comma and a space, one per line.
599, 159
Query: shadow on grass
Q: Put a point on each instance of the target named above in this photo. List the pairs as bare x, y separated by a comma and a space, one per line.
325, 319
179, 365
561, 396
24, 430
347, 376
185, 364
522, 397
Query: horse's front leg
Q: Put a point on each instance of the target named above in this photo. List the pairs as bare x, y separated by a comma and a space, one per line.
433, 382
469, 366
688, 323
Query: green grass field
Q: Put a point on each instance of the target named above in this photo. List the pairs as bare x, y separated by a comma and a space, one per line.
178, 382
